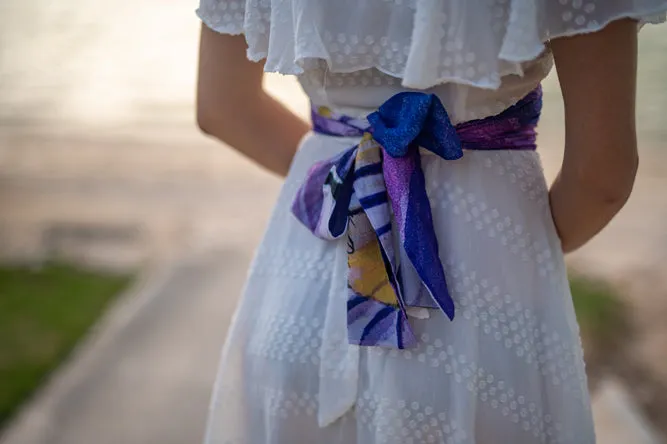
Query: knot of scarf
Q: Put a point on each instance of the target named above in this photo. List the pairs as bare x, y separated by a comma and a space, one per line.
376, 190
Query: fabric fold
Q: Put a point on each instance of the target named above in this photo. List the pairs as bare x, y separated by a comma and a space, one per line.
429, 42
368, 188
368, 197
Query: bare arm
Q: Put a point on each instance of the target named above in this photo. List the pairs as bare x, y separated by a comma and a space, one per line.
233, 107
597, 73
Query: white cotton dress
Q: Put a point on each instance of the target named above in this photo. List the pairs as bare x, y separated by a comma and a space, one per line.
509, 368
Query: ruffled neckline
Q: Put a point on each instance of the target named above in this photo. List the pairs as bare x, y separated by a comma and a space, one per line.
422, 42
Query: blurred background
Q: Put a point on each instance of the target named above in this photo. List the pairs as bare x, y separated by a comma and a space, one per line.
125, 234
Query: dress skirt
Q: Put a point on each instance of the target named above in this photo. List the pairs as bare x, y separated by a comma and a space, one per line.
508, 369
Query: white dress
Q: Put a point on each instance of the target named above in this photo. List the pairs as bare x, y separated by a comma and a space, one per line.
509, 368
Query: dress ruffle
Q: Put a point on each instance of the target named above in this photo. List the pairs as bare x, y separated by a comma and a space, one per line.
423, 42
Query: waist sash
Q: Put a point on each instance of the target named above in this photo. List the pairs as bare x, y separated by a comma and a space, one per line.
375, 191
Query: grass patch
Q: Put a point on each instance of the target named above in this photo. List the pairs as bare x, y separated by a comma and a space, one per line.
600, 310
43, 313
605, 325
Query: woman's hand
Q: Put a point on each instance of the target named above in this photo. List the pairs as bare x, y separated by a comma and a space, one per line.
597, 73
233, 107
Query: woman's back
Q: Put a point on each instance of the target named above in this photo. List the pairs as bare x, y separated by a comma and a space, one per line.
417, 292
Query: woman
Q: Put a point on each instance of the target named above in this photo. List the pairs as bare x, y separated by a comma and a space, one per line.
411, 285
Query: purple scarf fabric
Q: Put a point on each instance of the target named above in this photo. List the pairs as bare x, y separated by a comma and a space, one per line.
376, 190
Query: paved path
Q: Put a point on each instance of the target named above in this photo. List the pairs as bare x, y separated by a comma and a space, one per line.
146, 376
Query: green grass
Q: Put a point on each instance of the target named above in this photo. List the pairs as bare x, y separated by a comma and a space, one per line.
600, 311
43, 313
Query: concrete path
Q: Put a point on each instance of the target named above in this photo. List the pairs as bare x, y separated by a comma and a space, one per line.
617, 418
145, 376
